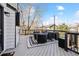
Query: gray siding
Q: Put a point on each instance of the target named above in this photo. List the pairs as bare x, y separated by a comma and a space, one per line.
9, 27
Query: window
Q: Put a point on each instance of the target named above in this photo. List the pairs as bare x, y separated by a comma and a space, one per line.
17, 18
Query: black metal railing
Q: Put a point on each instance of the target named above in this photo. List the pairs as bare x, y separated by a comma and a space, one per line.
66, 40
72, 39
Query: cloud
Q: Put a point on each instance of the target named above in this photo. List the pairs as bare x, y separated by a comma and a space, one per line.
77, 14
76, 17
60, 13
60, 7
50, 21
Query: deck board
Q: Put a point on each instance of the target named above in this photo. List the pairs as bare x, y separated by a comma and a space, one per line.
43, 50
46, 50
39, 51
51, 49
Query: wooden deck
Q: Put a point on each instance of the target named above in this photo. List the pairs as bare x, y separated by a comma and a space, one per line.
45, 50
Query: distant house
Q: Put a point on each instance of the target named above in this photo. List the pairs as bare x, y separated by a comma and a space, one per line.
9, 25
78, 28
75, 28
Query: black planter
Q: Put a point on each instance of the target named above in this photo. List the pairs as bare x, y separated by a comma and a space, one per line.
56, 36
52, 35
42, 39
61, 43
35, 36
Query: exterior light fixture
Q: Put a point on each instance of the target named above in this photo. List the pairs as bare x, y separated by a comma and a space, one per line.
7, 14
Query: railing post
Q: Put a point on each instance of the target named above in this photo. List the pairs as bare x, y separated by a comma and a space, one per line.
66, 41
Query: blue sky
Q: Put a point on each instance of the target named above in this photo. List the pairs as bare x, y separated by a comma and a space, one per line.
64, 12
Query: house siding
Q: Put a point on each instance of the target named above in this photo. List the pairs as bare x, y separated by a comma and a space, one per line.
9, 26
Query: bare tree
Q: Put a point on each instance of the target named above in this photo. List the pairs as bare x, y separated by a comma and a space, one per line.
29, 10
36, 15
31, 20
